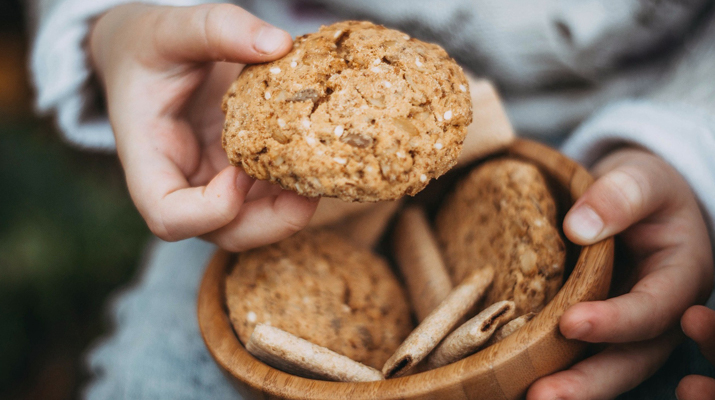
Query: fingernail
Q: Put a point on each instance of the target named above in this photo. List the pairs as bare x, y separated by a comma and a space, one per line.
585, 223
269, 39
581, 330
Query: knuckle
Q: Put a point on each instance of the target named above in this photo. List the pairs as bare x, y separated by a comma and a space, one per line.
158, 227
566, 386
626, 190
212, 21
293, 224
228, 244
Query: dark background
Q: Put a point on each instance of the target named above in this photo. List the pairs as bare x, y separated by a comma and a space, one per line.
69, 236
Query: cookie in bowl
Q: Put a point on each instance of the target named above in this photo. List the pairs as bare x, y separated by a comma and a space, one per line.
318, 287
502, 214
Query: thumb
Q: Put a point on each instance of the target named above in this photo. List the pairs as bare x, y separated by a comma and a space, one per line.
217, 32
624, 195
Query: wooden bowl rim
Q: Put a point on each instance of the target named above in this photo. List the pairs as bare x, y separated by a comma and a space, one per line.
230, 354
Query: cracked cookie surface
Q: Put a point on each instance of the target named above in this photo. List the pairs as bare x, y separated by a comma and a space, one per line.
324, 290
355, 111
502, 214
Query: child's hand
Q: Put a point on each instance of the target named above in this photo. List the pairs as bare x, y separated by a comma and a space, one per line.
163, 82
699, 324
645, 200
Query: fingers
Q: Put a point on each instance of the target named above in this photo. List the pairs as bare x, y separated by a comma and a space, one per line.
617, 369
265, 220
698, 323
173, 210
696, 387
263, 189
653, 305
626, 194
217, 32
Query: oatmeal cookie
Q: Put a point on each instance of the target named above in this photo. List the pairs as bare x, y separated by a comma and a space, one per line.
355, 111
324, 290
502, 214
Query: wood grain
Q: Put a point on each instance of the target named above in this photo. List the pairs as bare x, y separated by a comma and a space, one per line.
502, 371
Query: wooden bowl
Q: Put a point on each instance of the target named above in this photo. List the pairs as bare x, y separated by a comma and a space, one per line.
502, 371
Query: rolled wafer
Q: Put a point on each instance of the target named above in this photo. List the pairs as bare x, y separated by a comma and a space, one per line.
420, 261
294, 355
509, 328
439, 323
474, 333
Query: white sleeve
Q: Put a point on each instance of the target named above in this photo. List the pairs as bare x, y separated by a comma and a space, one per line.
61, 72
676, 122
681, 135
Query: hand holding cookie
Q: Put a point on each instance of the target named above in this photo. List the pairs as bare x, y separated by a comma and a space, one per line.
163, 80
645, 200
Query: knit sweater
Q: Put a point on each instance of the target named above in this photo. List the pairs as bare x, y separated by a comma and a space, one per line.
601, 72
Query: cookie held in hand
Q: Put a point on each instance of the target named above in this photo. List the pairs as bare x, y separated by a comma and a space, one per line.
320, 288
355, 111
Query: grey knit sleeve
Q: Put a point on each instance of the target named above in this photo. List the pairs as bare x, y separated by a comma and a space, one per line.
532, 44
61, 73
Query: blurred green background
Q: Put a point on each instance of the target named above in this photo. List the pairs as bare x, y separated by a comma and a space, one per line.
69, 236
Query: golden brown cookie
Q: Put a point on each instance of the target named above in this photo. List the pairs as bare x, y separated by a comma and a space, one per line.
355, 111
502, 214
324, 290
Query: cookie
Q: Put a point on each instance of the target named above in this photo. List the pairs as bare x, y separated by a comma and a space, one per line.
320, 288
355, 111
502, 214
